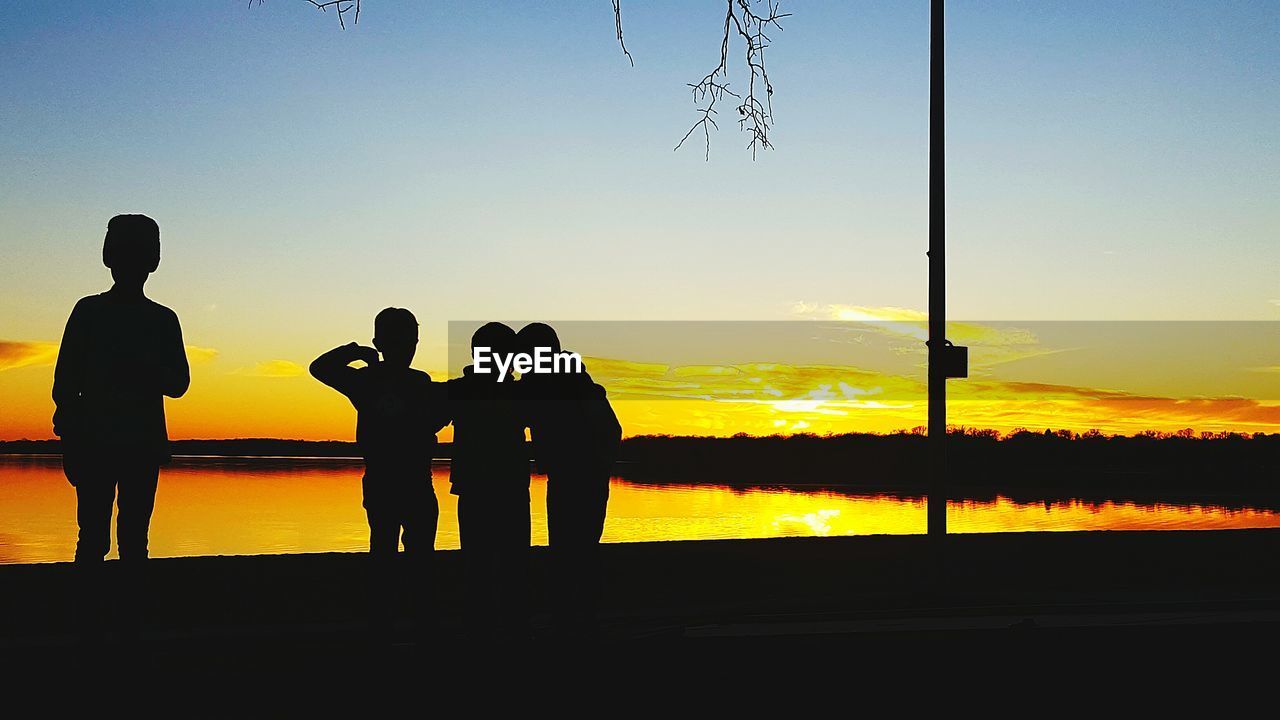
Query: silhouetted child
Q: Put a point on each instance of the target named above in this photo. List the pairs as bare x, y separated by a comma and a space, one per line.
121, 354
490, 476
575, 436
399, 410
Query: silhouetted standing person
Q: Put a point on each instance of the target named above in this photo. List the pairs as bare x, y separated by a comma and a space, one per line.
399, 411
121, 354
575, 437
490, 476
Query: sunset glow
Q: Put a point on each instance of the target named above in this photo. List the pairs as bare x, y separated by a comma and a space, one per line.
1018, 380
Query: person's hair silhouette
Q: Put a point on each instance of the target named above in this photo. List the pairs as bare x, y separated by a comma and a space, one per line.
121, 354
490, 476
575, 438
395, 336
399, 411
537, 334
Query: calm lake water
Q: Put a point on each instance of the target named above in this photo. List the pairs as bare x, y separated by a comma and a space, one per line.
229, 506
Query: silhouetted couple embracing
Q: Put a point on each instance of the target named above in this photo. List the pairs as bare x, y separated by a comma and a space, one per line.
575, 437
122, 353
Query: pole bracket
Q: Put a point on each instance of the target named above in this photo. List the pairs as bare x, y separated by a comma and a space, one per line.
953, 359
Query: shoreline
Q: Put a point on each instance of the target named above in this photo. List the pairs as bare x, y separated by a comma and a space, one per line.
1096, 487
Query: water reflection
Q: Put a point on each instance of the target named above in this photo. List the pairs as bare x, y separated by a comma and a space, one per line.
208, 506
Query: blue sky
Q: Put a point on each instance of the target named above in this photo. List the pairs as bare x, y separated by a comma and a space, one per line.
473, 159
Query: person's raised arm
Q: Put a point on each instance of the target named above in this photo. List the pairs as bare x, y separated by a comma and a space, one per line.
334, 367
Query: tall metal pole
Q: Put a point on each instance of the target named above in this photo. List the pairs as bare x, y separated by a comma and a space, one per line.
937, 514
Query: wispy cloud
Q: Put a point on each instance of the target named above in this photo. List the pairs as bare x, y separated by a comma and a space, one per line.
786, 387
778, 397
273, 369
26, 353
35, 353
910, 323
197, 355
1047, 404
611, 366
989, 345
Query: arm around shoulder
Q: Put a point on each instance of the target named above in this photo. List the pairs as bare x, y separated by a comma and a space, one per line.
439, 413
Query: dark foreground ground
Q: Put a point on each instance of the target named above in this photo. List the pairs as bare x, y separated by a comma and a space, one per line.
1054, 614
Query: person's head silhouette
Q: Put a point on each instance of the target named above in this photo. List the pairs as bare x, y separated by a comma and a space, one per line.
395, 335
541, 336
131, 249
500, 339
536, 335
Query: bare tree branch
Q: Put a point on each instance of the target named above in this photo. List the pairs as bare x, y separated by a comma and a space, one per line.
617, 24
747, 20
342, 6
755, 109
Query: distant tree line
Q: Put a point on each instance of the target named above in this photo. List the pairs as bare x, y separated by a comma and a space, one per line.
1222, 468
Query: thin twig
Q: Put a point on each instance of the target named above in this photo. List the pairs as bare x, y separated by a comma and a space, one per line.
617, 24
342, 6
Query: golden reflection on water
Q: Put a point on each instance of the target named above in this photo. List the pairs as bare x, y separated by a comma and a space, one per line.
251, 506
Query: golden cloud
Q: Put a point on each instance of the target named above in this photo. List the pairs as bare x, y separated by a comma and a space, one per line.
273, 369
756, 382
197, 355
26, 353
705, 370
778, 397
611, 366
34, 353
991, 345
994, 403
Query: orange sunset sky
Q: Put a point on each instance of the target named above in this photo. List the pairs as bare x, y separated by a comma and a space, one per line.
786, 377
